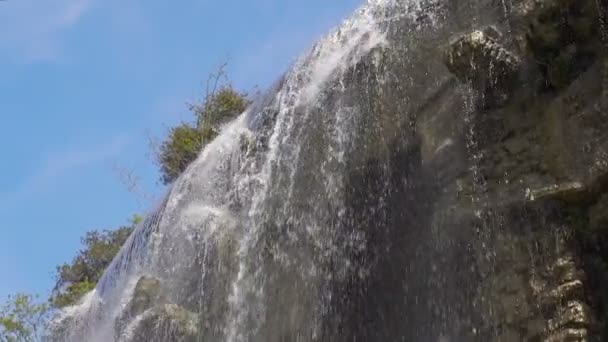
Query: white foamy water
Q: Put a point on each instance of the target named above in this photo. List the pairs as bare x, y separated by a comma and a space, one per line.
211, 243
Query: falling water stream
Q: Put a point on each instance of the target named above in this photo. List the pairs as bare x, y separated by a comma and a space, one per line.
351, 202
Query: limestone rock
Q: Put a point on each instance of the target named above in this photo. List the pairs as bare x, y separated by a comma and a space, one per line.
176, 323
148, 313
509, 336
569, 192
568, 335
550, 20
477, 57
565, 270
575, 313
570, 290
145, 295
248, 145
598, 214
562, 35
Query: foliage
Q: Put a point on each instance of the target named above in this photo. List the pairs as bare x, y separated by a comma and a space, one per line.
220, 106
75, 279
184, 142
179, 150
22, 319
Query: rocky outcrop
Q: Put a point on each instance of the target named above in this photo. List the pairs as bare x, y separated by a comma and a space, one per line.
562, 35
479, 58
533, 284
542, 173
568, 192
434, 189
598, 215
146, 294
176, 323
511, 161
148, 312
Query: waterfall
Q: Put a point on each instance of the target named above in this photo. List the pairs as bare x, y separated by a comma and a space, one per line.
354, 201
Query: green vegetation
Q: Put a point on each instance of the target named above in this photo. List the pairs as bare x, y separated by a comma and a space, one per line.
185, 141
219, 107
75, 279
23, 319
179, 150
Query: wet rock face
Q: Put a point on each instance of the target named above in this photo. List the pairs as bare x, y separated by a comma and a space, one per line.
145, 295
549, 145
541, 152
148, 313
598, 215
563, 300
176, 324
463, 201
569, 192
562, 35
478, 58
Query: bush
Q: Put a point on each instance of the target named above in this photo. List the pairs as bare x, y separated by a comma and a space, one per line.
179, 150
221, 106
75, 279
185, 141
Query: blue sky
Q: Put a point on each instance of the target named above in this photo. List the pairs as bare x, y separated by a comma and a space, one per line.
85, 83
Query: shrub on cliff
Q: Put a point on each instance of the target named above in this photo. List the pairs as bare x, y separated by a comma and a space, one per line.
179, 150
185, 141
75, 279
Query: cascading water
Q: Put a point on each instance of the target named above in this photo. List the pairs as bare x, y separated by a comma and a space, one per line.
352, 202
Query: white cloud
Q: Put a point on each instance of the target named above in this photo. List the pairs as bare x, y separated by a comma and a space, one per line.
60, 164
32, 30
